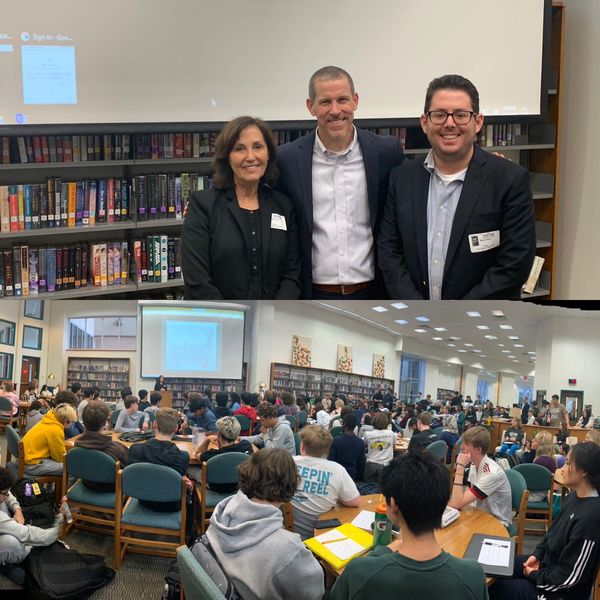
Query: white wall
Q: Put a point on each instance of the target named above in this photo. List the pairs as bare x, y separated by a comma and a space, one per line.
579, 209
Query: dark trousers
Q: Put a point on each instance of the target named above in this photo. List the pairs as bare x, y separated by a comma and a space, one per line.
517, 588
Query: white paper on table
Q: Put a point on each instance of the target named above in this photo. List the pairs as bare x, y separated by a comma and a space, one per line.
364, 520
494, 553
330, 536
345, 549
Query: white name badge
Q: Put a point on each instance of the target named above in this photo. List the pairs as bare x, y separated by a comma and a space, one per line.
481, 242
278, 222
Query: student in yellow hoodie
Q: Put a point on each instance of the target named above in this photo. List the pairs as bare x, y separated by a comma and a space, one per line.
44, 445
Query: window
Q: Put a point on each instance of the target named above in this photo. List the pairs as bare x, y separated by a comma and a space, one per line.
7, 332
525, 392
34, 309
6, 366
102, 333
412, 372
483, 390
32, 337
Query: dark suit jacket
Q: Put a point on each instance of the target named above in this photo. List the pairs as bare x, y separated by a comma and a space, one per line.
380, 155
214, 255
495, 196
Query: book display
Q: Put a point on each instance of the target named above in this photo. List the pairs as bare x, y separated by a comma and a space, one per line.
108, 374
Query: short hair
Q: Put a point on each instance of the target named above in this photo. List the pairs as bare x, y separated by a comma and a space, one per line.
329, 73
346, 410
142, 394
478, 437
381, 421
245, 398
88, 392
126, 391
167, 420
230, 134
287, 398
424, 417
8, 386
66, 397
368, 419
196, 401
221, 398
316, 440
7, 479
95, 415
339, 403
75, 387
403, 479
266, 411
36, 405
254, 400
229, 428
130, 400
270, 475
65, 413
452, 82
565, 448
586, 457
555, 397
270, 396
349, 422
155, 398
235, 397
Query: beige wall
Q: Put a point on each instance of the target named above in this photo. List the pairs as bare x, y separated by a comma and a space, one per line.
578, 270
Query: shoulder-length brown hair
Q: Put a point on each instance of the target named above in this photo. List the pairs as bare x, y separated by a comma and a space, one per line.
230, 134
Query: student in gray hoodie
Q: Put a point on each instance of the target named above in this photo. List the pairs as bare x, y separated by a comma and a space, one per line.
130, 419
263, 560
274, 432
16, 538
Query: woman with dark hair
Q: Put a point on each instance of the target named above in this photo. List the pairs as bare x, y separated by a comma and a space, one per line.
586, 419
563, 565
160, 384
240, 238
246, 532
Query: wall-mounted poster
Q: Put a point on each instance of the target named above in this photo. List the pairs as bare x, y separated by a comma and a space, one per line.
378, 365
301, 351
344, 358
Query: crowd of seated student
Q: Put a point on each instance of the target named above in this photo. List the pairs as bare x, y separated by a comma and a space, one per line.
425, 435
380, 446
275, 431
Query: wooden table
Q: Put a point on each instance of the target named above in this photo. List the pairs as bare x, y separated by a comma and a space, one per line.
401, 444
559, 479
186, 446
454, 539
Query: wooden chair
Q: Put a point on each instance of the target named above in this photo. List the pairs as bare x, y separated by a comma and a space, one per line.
97, 510
288, 516
10, 419
217, 471
520, 497
14, 449
539, 479
196, 582
137, 526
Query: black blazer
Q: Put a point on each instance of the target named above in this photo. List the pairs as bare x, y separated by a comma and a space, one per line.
214, 256
495, 196
380, 155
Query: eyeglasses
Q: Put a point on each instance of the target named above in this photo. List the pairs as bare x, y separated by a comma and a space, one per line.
461, 117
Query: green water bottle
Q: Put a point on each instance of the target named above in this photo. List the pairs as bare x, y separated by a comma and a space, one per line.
382, 530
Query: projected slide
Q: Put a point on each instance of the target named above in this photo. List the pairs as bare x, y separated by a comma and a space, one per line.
192, 346
49, 75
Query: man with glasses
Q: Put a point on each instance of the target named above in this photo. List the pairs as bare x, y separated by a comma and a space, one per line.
460, 222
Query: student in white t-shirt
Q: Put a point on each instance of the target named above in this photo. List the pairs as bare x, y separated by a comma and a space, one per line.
380, 446
323, 482
488, 485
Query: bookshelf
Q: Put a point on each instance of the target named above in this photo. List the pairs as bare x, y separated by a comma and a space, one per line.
109, 374
313, 382
179, 385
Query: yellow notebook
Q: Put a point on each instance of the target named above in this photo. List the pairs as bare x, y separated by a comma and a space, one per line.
340, 545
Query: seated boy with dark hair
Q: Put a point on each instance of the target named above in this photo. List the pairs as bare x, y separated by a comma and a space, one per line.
200, 413
416, 487
95, 417
143, 396
161, 450
155, 399
131, 419
221, 409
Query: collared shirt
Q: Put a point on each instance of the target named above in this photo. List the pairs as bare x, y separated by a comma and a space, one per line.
442, 200
342, 240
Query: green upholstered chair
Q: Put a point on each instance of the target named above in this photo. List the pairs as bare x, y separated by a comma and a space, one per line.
114, 415
96, 509
439, 449
302, 418
297, 442
438, 430
539, 479
139, 526
195, 580
246, 424
520, 497
293, 421
7, 406
337, 431
218, 470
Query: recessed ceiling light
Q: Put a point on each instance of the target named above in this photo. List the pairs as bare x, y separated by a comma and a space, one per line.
401, 322
452, 345
506, 351
532, 353
513, 337
497, 313
468, 345
500, 345
461, 350
519, 346
515, 361
506, 327
379, 308
474, 350
511, 356
399, 305
437, 339
420, 330
454, 338
440, 329
482, 327
473, 313
482, 356
490, 337
422, 319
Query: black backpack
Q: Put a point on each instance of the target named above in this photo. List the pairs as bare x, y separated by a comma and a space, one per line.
59, 572
36, 503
